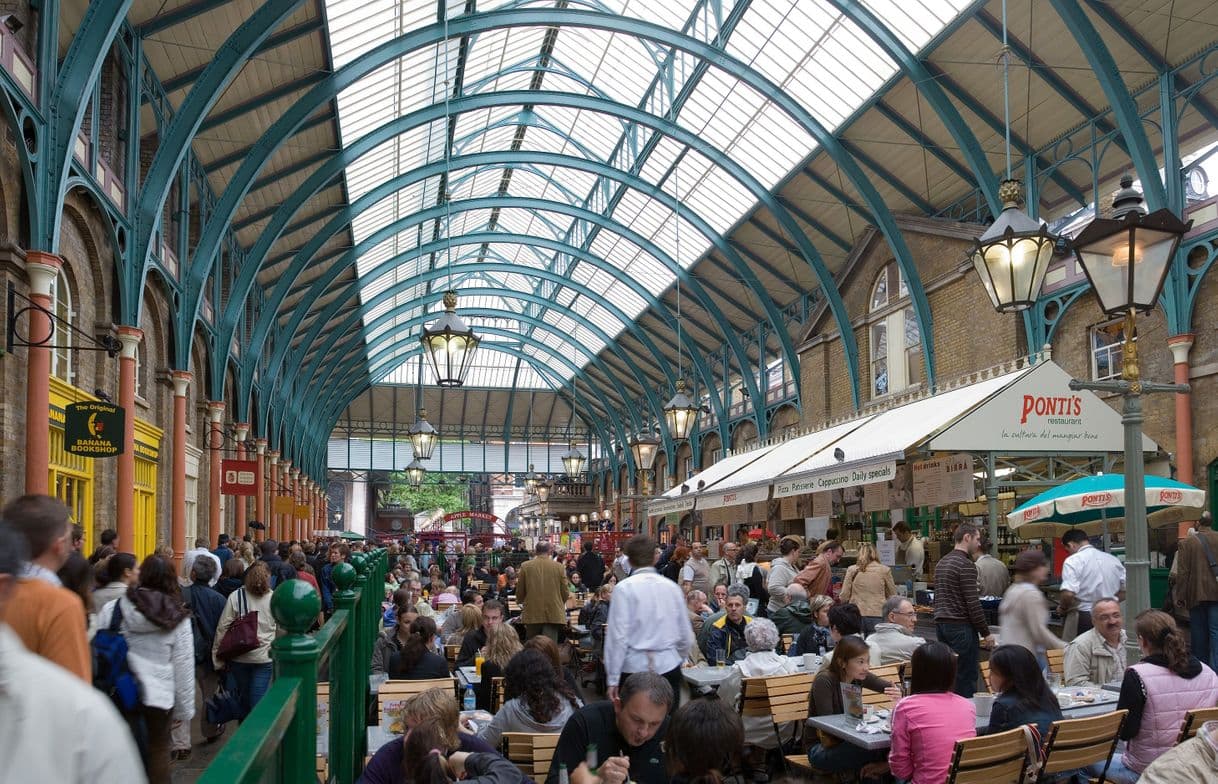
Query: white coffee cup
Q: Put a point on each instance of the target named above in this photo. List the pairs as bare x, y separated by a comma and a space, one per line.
810, 662
984, 703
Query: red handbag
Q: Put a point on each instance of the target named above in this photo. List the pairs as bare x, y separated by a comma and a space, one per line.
241, 636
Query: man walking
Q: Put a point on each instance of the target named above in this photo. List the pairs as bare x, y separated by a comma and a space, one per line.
1088, 575
541, 589
782, 573
695, 574
648, 629
959, 619
816, 576
591, 567
205, 605
723, 571
1196, 588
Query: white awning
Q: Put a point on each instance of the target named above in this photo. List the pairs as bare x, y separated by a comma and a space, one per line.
706, 479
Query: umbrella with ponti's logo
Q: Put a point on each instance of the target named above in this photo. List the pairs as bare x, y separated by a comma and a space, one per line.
1092, 501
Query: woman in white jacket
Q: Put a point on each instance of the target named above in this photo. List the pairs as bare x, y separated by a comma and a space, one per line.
161, 655
762, 660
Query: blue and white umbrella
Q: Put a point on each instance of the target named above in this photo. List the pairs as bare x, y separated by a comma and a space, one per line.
1093, 501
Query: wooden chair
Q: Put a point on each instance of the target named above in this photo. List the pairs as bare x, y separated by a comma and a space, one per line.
450, 653
496, 694
396, 691
783, 698
788, 641
444, 607
985, 675
1057, 661
990, 758
530, 752
890, 673
1076, 743
1193, 721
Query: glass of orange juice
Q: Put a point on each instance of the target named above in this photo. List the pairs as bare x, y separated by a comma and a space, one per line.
478, 664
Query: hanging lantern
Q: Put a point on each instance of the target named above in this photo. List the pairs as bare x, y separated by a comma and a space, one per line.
415, 473
1013, 254
573, 461
1127, 257
644, 447
449, 344
680, 413
530, 480
423, 437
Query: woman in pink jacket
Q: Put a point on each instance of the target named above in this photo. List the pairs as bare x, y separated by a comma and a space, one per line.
927, 724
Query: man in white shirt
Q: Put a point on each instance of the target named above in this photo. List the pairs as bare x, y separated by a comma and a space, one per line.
200, 551
53, 727
909, 548
1088, 575
648, 628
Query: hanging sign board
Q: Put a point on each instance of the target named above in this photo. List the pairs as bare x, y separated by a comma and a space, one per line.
822, 504
875, 497
237, 477
944, 480
303, 512
93, 429
837, 478
283, 504
734, 497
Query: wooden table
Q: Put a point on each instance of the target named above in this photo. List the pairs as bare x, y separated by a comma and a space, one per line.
842, 726
709, 675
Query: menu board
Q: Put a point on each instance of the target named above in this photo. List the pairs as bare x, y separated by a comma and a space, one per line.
944, 480
822, 504
875, 497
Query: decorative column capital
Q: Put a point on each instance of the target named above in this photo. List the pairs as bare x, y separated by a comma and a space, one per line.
41, 269
274, 453
242, 429
215, 411
260, 445
181, 382
129, 338
1180, 346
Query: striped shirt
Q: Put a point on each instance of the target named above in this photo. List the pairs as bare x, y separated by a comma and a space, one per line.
956, 598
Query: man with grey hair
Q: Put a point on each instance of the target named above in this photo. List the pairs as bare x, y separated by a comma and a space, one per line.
200, 550
53, 727
726, 637
1098, 655
763, 660
627, 733
893, 639
206, 605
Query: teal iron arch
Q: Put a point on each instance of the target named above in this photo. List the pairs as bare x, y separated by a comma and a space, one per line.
474, 23
470, 103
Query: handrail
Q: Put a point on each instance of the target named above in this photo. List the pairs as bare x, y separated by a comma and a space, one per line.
280, 735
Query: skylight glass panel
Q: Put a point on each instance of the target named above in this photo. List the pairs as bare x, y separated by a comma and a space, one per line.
805, 47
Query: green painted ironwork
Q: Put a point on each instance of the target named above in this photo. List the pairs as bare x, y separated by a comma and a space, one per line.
277, 742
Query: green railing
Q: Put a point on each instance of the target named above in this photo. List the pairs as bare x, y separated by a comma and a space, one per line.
278, 741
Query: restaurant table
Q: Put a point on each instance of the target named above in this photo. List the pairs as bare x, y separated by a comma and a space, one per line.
376, 737
709, 675
845, 727
468, 676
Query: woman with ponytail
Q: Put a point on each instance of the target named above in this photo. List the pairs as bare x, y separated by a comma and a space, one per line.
1157, 692
418, 660
427, 759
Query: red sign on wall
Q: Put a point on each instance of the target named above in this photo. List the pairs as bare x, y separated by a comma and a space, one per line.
237, 476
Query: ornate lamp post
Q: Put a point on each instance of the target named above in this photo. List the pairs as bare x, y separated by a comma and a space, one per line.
423, 437
1127, 258
680, 413
573, 461
415, 473
449, 344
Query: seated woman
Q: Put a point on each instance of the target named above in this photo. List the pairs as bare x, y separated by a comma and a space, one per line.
851, 659
537, 699
418, 660
1023, 695
549, 648
762, 660
1157, 692
502, 643
391, 639
842, 620
818, 636
470, 621
434, 709
927, 724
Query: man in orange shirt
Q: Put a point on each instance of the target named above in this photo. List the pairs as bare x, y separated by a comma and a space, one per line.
818, 574
49, 619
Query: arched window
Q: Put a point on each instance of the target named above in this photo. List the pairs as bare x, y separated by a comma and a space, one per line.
896, 343
61, 306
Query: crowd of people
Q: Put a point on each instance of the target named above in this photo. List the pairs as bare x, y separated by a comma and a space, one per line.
197, 634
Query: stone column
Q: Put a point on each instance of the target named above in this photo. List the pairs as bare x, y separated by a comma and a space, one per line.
273, 518
177, 513
242, 430
286, 521
41, 269
260, 488
124, 502
1180, 346
215, 445
294, 528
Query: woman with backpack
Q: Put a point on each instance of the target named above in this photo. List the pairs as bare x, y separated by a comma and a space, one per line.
160, 653
246, 652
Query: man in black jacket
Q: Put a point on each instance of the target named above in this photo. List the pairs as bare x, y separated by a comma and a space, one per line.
280, 570
205, 605
591, 567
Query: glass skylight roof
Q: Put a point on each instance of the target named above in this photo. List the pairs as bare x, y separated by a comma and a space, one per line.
806, 47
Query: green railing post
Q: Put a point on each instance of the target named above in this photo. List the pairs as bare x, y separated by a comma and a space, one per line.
361, 630
346, 689
295, 606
